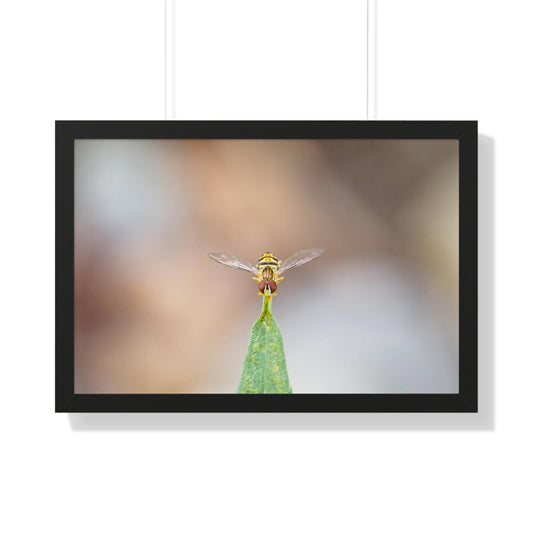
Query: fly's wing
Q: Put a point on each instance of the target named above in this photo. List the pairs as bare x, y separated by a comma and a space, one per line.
234, 262
300, 258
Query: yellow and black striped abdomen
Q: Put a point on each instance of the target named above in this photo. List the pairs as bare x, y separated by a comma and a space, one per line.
268, 260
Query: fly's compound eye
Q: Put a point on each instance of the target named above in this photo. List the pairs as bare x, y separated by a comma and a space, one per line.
270, 283
262, 285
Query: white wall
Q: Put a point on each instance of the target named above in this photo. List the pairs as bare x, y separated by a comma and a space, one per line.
372, 473
282, 60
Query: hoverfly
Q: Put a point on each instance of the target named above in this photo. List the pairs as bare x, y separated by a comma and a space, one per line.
269, 268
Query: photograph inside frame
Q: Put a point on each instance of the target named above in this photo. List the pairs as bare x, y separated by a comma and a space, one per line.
371, 307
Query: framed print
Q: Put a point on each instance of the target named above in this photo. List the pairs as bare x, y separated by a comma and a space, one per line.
266, 266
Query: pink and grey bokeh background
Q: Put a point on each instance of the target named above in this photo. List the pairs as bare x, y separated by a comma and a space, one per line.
378, 312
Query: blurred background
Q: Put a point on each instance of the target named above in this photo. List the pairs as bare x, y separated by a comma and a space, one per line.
378, 312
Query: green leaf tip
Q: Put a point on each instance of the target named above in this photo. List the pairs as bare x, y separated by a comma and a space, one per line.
265, 370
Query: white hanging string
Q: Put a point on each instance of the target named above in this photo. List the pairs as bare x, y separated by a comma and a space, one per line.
371, 60
170, 66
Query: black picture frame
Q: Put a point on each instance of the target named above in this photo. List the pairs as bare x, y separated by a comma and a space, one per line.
465, 132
